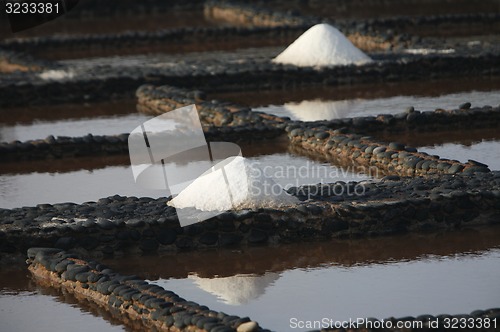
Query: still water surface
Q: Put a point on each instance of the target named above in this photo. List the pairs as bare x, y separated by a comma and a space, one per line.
79, 183
399, 276
320, 109
412, 274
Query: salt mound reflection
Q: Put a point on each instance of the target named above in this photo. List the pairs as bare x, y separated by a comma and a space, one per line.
238, 289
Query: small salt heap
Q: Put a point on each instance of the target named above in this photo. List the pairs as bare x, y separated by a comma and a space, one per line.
322, 45
239, 185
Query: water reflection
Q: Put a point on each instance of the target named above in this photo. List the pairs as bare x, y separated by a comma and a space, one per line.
487, 152
25, 306
341, 279
103, 125
328, 109
312, 110
87, 179
238, 289
342, 253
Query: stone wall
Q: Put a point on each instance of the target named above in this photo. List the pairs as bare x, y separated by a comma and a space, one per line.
132, 300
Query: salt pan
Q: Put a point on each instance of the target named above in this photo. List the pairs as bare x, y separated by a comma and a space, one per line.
322, 45
247, 187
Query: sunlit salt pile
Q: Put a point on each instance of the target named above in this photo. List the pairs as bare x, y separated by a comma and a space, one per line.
322, 45
242, 185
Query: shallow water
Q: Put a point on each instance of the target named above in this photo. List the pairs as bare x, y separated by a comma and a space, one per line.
102, 125
67, 25
486, 152
24, 306
318, 109
412, 274
80, 183
377, 9
394, 289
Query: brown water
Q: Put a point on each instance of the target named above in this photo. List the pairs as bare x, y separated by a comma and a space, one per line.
379, 91
454, 272
169, 48
24, 306
103, 125
51, 113
79, 183
67, 25
314, 109
376, 9
409, 275
412, 274
487, 152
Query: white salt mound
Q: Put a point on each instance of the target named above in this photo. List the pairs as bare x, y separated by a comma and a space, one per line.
247, 187
322, 45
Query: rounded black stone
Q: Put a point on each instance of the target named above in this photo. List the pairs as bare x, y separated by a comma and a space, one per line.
379, 149
65, 243
166, 236
89, 242
62, 266
105, 224
296, 132
206, 320
410, 109
149, 245
322, 135
476, 163
455, 168
229, 239
465, 106
184, 243
209, 238
108, 250
73, 270
82, 277
257, 236
396, 146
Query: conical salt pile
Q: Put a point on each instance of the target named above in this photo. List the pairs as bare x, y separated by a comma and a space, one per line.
322, 45
242, 185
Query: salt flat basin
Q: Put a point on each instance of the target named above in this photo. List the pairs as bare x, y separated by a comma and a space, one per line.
52, 113
486, 152
67, 25
102, 125
421, 286
482, 145
26, 307
433, 274
73, 120
81, 185
317, 109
